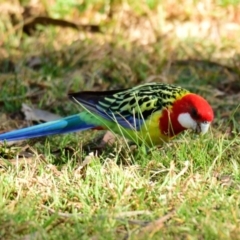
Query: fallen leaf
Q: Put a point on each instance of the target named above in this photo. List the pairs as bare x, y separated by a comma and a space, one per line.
108, 139
33, 114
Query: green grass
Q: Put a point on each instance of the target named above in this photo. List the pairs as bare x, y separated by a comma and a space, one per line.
201, 184
69, 187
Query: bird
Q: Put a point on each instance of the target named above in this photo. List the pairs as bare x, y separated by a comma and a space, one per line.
151, 113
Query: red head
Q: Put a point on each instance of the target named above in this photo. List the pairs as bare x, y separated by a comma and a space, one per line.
189, 112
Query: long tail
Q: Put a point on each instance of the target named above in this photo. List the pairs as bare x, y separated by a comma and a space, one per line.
69, 124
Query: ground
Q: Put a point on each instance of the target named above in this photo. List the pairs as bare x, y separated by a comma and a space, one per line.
77, 187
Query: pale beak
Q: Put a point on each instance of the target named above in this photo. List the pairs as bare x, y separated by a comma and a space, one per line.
202, 127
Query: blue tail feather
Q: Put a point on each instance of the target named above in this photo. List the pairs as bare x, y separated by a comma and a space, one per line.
66, 125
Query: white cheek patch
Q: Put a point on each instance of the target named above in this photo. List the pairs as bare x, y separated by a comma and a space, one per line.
204, 127
186, 121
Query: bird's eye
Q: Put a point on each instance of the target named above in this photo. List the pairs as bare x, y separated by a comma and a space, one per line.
194, 113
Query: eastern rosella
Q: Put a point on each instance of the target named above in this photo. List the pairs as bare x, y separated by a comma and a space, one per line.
152, 113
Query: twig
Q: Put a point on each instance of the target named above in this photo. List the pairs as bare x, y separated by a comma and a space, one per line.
151, 228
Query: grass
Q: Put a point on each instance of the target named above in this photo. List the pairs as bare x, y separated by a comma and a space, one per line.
69, 187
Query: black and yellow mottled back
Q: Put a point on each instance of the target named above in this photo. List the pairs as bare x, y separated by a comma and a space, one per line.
130, 107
